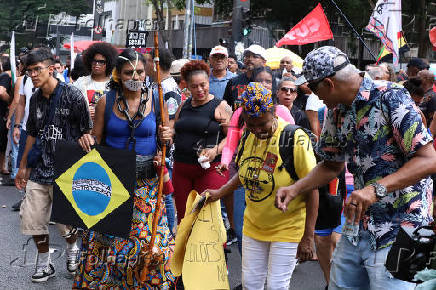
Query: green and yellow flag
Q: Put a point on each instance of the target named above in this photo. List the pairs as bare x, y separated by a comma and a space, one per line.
94, 190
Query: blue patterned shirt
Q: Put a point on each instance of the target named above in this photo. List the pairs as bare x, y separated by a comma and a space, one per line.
376, 136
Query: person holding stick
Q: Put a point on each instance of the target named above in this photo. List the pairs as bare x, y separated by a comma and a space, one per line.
111, 262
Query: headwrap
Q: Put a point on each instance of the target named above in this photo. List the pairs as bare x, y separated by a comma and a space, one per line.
256, 100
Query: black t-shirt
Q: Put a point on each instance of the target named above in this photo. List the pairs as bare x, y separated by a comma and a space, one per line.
300, 118
71, 120
234, 89
6, 82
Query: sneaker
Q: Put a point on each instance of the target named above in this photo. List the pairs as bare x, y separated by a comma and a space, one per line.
231, 237
72, 259
42, 274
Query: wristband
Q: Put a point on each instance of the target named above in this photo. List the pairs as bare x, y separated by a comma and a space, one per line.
17, 126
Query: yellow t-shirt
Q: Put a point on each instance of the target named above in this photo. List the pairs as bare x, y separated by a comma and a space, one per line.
261, 174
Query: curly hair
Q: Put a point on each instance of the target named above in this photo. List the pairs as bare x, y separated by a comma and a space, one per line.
129, 54
194, 67
105, 49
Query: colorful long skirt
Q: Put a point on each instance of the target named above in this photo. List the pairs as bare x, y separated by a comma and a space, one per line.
111, 263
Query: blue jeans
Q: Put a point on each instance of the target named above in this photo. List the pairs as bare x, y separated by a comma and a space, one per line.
359, 267
238, 214
14, 150
169, 204
21, 146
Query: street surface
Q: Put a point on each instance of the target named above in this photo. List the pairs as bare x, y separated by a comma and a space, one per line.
17, 261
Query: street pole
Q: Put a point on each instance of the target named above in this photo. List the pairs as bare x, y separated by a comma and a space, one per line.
187, 46
58, 41
237, 21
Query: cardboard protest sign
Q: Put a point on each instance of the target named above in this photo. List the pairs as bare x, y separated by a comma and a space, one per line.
94, 190
199, 246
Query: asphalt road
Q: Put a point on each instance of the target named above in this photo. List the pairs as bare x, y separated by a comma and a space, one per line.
17, 261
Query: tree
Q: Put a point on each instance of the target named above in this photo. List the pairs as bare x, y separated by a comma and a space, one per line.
16, 15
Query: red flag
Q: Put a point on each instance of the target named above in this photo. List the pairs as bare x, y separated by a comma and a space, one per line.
432, 35
313, 28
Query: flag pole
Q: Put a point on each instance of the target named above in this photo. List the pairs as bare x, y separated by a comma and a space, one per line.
352, 28
151, 254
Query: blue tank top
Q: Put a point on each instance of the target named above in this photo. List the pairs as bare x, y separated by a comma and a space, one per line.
118, 133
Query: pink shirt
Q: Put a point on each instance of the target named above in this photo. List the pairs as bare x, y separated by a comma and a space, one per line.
234, 133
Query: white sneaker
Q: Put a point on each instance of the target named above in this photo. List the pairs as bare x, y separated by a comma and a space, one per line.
42, 274
72, 259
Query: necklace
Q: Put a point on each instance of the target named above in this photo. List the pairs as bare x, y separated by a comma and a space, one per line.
131, 120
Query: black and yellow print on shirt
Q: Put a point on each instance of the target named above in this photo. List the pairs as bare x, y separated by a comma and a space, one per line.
91, 192
259, 184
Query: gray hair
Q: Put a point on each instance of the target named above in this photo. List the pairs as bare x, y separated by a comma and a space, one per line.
347, 73
285, 79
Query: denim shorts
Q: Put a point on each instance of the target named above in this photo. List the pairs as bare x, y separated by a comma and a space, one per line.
359, 267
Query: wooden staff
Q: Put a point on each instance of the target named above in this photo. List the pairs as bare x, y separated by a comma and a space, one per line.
149, 253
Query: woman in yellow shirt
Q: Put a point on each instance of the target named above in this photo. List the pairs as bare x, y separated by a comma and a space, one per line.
272, 240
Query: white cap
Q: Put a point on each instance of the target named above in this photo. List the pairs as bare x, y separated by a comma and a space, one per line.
257, 49
176, 66
219, 50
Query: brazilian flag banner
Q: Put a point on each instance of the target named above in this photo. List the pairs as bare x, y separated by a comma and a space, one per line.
94, 190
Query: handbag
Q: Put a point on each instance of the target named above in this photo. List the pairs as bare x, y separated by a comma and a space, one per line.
411, 252
35, 153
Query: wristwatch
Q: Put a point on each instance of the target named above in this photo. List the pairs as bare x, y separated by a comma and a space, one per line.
380, 190
17, 126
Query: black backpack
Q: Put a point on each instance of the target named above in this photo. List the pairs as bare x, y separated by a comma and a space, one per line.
286, 145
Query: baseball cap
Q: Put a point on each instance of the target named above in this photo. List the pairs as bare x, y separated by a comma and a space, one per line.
419, 63
176, 66
219, 50
256, 49
320, 63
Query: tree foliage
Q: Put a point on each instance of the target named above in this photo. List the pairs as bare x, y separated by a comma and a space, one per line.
16, 15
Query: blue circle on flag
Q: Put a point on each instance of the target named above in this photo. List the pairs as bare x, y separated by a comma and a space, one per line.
91, 188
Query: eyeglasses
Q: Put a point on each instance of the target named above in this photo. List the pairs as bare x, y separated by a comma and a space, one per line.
313, 86
98, 61
36, 71
291, 90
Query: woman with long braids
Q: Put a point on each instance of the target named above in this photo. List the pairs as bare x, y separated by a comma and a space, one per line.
111, 262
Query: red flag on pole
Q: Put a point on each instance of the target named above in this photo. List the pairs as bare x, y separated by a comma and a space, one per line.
313, 28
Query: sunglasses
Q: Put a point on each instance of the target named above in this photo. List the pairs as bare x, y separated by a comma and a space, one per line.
98, 61
291, 90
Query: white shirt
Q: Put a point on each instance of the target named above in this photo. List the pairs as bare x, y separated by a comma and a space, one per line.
314, 103
91, 90
27, 91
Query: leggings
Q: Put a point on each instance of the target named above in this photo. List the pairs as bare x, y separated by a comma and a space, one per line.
188, 177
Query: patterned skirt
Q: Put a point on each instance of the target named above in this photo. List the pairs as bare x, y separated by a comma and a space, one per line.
111, 263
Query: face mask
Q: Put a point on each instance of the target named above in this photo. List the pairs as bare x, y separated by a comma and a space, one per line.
133, 86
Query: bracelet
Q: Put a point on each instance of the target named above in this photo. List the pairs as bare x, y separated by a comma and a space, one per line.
17, 126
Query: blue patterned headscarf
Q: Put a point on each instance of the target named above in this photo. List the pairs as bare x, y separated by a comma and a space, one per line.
257, 100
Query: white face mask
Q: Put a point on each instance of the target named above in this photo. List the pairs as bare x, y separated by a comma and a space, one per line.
133, 86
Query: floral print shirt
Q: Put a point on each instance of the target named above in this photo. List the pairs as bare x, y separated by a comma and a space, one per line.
376, 136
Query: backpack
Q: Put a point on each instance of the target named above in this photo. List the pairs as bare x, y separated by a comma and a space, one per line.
286, 145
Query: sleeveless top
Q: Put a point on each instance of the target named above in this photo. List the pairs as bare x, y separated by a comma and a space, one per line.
118, 133
196, 129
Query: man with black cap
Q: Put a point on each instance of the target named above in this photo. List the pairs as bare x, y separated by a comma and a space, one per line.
374, 127
416, 65
254, 57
